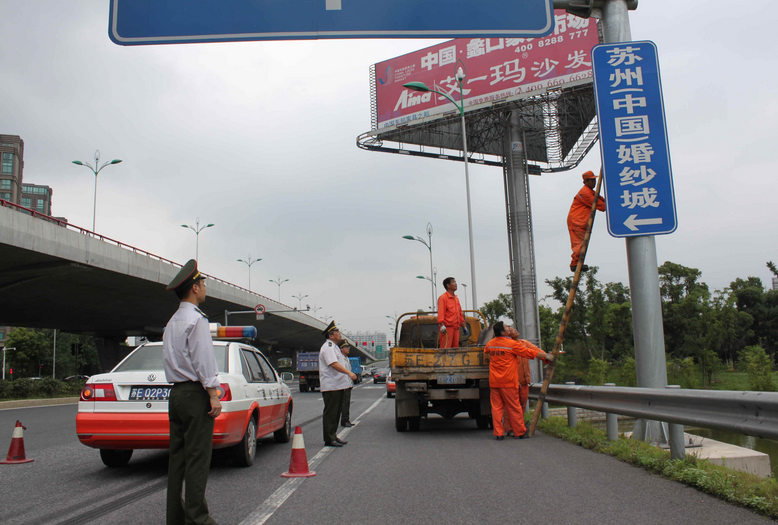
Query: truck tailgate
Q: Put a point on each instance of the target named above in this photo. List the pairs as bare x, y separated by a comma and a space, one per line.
418, 363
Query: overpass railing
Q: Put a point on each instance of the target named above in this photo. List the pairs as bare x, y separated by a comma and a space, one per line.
752, 413
119, 244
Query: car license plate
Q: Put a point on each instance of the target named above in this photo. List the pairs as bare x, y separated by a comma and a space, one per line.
451, 379
138, 393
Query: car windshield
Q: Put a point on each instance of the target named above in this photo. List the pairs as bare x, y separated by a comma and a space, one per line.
149, 357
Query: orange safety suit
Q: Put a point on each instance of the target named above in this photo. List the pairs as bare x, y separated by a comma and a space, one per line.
524, 380
504, 354
578, 218
450, 315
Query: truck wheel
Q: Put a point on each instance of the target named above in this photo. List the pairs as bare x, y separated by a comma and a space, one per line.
400, 423
303, 388
414, 423
115, 458
482, 422
245, 451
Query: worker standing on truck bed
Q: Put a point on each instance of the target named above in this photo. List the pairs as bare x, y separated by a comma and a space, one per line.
345, 413
504, 352
450, 316
334, 379
578, 217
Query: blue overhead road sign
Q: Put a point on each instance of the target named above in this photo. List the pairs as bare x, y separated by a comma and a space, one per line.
138, 22
633, 140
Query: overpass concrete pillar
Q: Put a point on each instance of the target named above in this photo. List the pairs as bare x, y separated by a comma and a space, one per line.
110, 352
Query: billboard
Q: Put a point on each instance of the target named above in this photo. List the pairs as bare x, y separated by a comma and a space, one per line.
497, 69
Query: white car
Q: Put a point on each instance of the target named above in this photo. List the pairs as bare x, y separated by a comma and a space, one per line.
365, 371
127, 408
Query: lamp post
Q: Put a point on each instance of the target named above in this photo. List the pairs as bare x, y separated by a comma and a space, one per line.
465, 294
4, 349
422, 87
315, 309
279, 282
96, 170
327, 318
197, 229
429, 247
300, 298
393, 325
249, 263
432, 279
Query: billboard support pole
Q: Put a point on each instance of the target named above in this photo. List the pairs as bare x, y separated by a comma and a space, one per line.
643, 269
520, 239
461, 80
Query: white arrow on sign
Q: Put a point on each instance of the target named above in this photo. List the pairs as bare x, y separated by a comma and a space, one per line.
633, 222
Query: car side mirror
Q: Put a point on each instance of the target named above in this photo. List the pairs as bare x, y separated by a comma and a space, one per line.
287, 377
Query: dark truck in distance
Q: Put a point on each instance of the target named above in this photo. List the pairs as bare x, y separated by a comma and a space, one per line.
308, 368
441, 381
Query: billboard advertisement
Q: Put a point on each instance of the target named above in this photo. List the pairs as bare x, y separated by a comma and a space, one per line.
497, 69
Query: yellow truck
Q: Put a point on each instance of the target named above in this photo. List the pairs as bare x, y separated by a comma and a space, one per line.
439, 381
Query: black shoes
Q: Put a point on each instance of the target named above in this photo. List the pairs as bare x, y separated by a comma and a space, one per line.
332, 444
338, 440
499, 438
525, 435
584, 268
347, 424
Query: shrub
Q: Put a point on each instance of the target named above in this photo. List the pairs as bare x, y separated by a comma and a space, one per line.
759, 366
688, 373
629, 372
598, 371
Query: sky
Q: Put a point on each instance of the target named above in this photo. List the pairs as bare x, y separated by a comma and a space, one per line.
259, 138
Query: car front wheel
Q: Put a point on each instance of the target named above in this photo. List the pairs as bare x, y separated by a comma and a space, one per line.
245, 451
284, 434
115, 458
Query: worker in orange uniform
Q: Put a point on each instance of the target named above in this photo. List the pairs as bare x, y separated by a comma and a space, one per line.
578, 217
524, 380
504, 352
450, 316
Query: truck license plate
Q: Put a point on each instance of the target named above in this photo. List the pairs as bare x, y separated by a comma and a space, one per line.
451, 379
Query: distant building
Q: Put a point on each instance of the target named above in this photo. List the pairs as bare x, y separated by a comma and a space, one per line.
37, 198
4, 333
11, 168
775, 283
373, 342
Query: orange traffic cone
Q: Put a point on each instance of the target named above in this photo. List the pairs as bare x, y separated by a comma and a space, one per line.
16, 450
298, 465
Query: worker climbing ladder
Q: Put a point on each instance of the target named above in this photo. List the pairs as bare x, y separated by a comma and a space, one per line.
568, 307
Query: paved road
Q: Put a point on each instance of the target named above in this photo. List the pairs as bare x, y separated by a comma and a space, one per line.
449, 472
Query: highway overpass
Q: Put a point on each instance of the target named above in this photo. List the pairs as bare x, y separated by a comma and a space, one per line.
56, 275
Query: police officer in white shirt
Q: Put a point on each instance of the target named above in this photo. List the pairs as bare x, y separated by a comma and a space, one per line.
190, 364
335, 379
345, 412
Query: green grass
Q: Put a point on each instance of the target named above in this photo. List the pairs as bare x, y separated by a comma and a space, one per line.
740, 488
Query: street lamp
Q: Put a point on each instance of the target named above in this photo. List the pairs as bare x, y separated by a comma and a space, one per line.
422, 87
315, 309
96, 170
249, 263
300, 298
327, 318
465, 294
393, 325
197, 229
432, 280
4, 349
279, 282
429, 247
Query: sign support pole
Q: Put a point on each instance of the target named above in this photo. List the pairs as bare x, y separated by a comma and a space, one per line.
643, 269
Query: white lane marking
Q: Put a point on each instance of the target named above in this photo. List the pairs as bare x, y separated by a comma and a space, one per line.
332, 5
276, 499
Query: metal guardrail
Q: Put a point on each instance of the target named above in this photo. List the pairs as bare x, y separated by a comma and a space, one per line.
751, 413
119, 244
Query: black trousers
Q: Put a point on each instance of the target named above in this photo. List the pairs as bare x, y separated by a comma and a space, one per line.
191, 444
333, 404
345, 412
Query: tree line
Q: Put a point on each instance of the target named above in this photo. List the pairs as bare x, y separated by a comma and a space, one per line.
705, 331
34, 354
